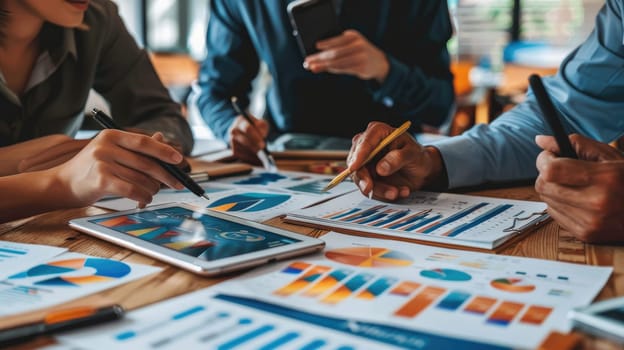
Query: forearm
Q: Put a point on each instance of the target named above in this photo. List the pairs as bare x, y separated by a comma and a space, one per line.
217, 112
502, 151
29, 194
11, 156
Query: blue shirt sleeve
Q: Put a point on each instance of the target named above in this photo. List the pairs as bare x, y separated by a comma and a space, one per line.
426, 87
587, 91
228, 70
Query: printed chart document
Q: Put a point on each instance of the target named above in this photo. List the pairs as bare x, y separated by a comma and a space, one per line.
259, 196
15, 257
445, 298
63, 278
203, 320
438, 218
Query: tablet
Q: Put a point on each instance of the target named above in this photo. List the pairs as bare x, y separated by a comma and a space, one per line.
199, 240
605, 319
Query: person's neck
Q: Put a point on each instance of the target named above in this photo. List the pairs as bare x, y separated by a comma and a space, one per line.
22, 29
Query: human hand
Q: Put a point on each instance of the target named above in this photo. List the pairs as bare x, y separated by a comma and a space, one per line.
584, 196
406, 165
349, 53
117, 163
247, 139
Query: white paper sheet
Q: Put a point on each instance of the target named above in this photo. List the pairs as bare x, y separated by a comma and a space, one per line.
472, 221
15, 257
291, 181
199, 321
63, 278
259, 196
501, 300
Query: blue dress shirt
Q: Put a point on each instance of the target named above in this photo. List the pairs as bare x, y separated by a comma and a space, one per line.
588, 91
413, 34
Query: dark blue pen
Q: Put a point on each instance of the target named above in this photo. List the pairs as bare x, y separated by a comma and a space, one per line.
108, 123
552, 117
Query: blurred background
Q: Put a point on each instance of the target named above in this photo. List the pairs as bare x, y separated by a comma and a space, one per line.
496, 46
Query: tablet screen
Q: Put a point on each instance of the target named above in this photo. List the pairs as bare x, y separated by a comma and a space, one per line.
193, 233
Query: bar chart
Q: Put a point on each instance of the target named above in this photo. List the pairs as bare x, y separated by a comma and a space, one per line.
334, 285
438, 217
426, 221
203, 320
501, 300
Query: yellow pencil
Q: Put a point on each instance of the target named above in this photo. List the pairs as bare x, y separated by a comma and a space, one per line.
396, 133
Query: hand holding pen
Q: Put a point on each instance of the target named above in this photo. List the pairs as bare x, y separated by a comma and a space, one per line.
385, 142
247, 135
552, 117
108, 123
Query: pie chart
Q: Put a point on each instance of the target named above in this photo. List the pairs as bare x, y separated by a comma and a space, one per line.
513, 285
369, 257
249, 202
446, 275
102, 270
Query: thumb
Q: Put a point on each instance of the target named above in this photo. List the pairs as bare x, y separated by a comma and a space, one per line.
547, 143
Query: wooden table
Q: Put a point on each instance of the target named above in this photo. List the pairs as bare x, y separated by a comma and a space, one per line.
548, 242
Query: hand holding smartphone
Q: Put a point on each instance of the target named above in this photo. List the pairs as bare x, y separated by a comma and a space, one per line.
313, 20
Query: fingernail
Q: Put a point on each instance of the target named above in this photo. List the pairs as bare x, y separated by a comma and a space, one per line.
389, 194
362, 185
384, 166
306, 65
177, 157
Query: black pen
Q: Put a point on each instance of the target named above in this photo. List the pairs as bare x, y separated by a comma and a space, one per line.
108, 123
60, 321
267, 158
552, 117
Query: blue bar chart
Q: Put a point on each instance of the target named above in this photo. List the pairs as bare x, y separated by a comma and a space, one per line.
202, 321
438, 217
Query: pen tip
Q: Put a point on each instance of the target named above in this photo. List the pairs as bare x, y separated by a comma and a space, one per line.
205, 196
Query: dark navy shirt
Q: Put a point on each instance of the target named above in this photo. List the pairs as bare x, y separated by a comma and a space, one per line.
412, 33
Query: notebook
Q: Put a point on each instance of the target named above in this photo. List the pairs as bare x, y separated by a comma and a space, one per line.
463, 221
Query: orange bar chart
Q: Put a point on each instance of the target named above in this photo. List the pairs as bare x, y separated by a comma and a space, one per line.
536, 315
505, 313
480, 305
302, 282
327, 282
405, 288
376, 288
420, 302
348, 288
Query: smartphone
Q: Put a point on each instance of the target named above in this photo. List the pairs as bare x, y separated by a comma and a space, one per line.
313, 20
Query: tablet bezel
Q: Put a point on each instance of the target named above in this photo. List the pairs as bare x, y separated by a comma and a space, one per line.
193, 264
587, 318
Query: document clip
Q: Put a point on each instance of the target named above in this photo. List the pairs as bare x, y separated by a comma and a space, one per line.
520, 223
